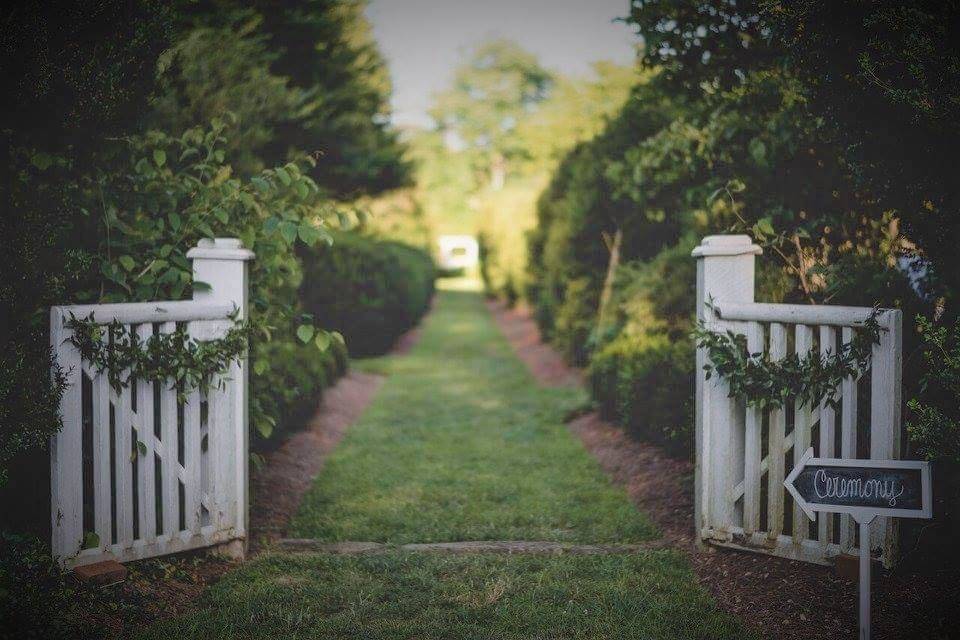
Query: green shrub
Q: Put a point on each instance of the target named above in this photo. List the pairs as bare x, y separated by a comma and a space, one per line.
369, 290
575, 320
289, 393
642, 370
934, 424
37, 600
647, 384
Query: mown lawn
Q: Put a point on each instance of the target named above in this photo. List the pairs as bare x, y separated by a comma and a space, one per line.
480, 597
461, 444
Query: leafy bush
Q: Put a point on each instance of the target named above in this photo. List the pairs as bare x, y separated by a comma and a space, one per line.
934, 426
369, 290
647, 385
641, 374
37, 600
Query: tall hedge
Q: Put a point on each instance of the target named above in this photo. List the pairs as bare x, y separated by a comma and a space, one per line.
369, 290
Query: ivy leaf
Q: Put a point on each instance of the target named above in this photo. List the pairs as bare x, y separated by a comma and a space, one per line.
159, 157
260, 367
142, 448
175, 221
127, 262
336, 335
323, 341
305, 333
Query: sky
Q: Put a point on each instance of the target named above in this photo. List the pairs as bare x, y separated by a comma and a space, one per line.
425, 40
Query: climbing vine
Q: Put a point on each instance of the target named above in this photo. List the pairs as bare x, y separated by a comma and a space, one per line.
115, 349
767, 384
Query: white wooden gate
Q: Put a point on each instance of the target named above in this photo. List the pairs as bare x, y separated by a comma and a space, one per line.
743, 455
137, 473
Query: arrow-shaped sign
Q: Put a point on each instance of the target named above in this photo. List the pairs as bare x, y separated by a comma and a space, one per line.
862, 488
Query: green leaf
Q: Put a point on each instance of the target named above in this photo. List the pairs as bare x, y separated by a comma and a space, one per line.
322, 341
758, 151
91, 540
159, 157
260, 367
142, 448
175, 221
305, 333
764, 227
302, 190
336, 335
289, 231
265, 426
309, 234
284, 176
41, 160
127, 263
262, 185
270, 224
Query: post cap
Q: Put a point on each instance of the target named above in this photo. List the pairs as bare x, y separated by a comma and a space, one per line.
220, 249
726, 245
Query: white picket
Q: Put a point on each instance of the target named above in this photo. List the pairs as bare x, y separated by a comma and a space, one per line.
66, 471
828, 348
848, 443
885, 399
753, 424
148, 511
123, 470
102, 481
803, 344
169, 461
777, 445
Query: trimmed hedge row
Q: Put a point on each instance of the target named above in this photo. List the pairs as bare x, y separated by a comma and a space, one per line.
369, 290
647, 385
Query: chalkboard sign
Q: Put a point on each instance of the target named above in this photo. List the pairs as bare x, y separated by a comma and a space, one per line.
864, 488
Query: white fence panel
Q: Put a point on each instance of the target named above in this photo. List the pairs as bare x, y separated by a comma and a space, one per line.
138, 472
743, 454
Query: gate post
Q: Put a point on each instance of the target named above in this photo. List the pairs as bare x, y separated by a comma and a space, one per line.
725, 272
221, 264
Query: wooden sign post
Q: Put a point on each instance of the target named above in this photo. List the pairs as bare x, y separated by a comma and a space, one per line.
864, 489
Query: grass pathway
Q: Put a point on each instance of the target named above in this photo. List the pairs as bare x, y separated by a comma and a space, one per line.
461, 444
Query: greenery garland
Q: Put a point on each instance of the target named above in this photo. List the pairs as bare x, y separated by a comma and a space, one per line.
192, 363
767, 384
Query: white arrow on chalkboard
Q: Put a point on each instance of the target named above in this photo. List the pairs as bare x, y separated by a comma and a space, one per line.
864, 489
